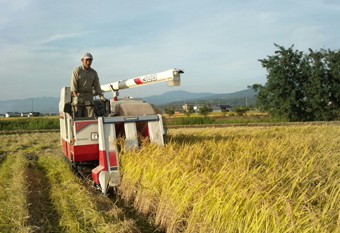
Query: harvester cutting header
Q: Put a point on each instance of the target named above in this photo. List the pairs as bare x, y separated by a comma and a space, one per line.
90, 142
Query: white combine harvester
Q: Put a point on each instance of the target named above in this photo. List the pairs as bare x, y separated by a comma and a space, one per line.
91, 143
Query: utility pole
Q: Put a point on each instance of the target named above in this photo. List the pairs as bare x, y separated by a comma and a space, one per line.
32, 105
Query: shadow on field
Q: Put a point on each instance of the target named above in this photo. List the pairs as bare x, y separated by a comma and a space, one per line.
180, 139
3, 156
184, 139
144, 223
112, 205
43, 215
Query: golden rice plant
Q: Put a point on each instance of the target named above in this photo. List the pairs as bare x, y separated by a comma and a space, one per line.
239, 179
13, 205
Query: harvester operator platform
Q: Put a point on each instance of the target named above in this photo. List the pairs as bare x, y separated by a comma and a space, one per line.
84, 85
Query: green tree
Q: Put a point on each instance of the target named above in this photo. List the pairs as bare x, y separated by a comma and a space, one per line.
157, 110
189, 111
204, 110
240, 111
170, 110
223, 112
300, 86
322, 88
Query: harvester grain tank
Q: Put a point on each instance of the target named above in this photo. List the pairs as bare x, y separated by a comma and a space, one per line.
91, 144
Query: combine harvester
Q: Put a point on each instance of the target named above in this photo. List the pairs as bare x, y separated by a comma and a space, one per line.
91, 144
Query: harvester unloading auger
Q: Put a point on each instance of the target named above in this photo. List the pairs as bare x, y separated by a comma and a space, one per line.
90, 143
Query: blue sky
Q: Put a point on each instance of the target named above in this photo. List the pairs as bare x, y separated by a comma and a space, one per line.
217, 42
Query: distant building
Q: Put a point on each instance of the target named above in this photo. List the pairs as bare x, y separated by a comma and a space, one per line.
185, 107
216, 109
228, 108
33, 114
12, 114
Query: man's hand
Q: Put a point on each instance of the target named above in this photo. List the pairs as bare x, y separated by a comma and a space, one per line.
75, 100
103, 98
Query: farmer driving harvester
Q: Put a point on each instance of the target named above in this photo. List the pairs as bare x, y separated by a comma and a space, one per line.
84, 85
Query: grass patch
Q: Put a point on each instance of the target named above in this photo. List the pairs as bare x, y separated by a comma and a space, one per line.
215, 119
31, 123
36, 123
191, 121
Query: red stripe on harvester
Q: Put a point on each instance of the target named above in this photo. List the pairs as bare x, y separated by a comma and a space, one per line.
82, 124
113, 158
61, 114
138, 81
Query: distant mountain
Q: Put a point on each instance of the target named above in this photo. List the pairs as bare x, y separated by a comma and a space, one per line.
175, 96
245, 97
239, 94
50, 104
39, 104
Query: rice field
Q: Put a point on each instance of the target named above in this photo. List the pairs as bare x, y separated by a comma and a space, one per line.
235, 179
239, 179
40, 193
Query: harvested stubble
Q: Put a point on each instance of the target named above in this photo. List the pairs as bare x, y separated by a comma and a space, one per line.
13, 206
66, 205
241, 179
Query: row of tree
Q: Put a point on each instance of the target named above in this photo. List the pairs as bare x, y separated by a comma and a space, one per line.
205, 110
301, 86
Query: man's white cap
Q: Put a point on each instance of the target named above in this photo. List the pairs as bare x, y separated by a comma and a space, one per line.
87, 56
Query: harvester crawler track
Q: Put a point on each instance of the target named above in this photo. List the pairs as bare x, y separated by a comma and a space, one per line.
83, 171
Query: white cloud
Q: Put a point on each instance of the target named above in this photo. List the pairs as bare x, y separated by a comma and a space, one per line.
217, 42
57, 37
